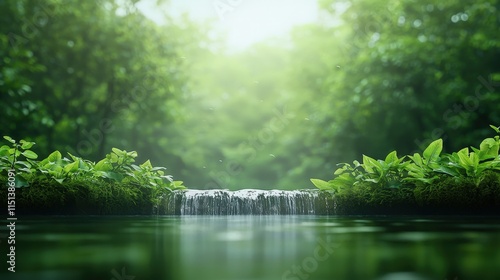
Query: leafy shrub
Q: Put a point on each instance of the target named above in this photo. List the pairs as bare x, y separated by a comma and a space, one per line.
58, 180
19, 157
428, 168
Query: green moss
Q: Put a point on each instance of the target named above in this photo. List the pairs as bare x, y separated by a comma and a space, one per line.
370, 198
449, 192
466, 181
72, 185
447, 195
85, 198
461, 195
489, 189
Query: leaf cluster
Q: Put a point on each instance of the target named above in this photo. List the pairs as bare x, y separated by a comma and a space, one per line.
17, 156
426, 168
116, 168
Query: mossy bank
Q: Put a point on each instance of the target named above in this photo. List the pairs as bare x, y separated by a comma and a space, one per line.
447, 196
433, 182
83, 198
72, 185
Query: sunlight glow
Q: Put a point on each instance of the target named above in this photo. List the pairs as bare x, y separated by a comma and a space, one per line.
243, 22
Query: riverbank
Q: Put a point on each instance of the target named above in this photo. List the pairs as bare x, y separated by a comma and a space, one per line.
52, 198
442, 198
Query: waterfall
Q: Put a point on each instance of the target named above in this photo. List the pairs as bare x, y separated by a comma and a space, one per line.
249, 202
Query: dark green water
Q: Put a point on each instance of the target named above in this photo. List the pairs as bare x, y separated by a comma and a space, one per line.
255, 247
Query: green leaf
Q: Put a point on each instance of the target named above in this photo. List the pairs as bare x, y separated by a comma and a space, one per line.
415, 175
431, 153
447, 170
9, 139
371, 165
474, 159
464, 159
413, 167
391, 157
132, 154
59, 180
54, 156
495, 128
23, 163
14, 150
4, 150
488, 149
177, 185
168, 177
74, 158
320, 184
159, 168
29, 154
417, 159
340, 171
103, 165
72, 167
344, 180
21, 182
376, 180
135, 167
481, 168
113, 158
112, 175
146, 165
56, 170
118, 151
26, 145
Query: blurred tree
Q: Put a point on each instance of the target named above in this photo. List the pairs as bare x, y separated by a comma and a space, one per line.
397, 74
87, 72
227, 141
372, 77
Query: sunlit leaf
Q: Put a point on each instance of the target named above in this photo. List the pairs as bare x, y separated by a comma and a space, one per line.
371, 165
432, 152
30, 154
496, 128
488, 149
59, 180
8, 138
103, 165
26, 145
112, 175
4, 150
54, 156
320, 184
72, 167
147, 165
391, 157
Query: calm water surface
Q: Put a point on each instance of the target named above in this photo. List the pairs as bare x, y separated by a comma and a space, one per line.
255, 247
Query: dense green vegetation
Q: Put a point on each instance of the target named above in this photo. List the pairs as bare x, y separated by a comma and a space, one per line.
467, 180
86, 76
368, 77
71, 184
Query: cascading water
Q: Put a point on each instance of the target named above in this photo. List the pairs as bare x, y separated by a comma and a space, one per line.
249, 202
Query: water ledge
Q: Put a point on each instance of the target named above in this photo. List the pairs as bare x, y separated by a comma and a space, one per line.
249, 202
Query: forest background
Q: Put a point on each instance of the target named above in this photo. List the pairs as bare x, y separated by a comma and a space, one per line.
366, 77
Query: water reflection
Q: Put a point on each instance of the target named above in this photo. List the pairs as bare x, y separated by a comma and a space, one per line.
256, 247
